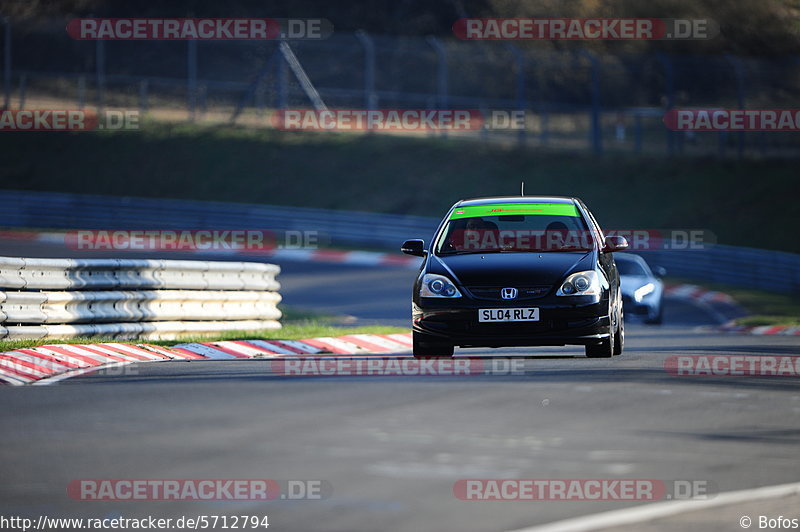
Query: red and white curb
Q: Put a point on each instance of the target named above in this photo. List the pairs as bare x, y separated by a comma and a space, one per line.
720, 305
356, 258
697, 294
50, 363
709, 297
762, 330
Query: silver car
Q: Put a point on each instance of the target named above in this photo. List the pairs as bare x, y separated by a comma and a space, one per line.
642, 290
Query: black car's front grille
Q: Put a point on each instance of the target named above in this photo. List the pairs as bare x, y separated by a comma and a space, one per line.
494, 293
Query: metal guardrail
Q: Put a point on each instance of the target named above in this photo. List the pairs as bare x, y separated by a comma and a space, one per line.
762, 269
134, 306
135, 298
52, 210
106, 274
746, 267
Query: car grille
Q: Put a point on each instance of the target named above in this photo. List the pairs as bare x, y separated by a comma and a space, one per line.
492, 293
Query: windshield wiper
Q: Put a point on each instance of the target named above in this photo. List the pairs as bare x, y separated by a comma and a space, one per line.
485, 251
459, 252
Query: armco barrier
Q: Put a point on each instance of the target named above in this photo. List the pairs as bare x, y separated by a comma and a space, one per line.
138, 305
54, 210
63, 298
106, 274
761, 269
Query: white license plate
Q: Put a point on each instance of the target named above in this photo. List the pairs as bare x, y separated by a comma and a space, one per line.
508, 314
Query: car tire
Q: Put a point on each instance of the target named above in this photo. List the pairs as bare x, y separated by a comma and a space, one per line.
430, 347
658, 319
619, 342
604, 349
608, 347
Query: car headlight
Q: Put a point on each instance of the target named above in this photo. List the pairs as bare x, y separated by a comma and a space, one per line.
581, 284
642, 291
434, 285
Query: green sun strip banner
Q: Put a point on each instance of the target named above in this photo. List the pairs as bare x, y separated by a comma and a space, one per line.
499, 209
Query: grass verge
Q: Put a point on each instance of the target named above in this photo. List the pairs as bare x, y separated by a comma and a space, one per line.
770, 320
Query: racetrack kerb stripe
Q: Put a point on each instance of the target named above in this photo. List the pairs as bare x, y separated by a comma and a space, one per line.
53, 363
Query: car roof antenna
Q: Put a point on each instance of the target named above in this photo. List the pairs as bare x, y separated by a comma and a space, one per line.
522, 188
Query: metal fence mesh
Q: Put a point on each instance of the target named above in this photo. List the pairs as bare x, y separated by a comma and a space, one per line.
573, 99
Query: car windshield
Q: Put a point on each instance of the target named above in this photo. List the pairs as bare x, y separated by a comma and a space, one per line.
630, 267
522, 227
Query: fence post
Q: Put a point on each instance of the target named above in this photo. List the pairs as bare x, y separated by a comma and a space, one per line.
191, 79
669, 88
7, 61
143, 90
545, 124
81, 92
596, 132
637, 133
202, 98
282, 82
722, 139
370, 98
23, 81
260, 97
301, 76
430, 103
441, 71
519, 61
484, 133
100, 67
738, 70
441, 74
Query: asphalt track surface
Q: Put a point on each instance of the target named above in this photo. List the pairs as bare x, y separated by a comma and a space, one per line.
392, 448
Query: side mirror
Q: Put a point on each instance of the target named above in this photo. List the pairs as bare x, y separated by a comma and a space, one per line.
615, 243
414, 247
660, 271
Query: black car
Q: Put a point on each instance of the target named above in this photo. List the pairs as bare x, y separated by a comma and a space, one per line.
517, 271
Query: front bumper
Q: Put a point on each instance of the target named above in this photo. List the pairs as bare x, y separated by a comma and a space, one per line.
647, 308
584, 320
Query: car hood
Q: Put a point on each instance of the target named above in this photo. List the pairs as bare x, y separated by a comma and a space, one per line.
511, 268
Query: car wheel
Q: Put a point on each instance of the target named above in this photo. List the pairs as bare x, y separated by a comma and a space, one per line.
658, 319
605, 349
427, 346
608, 347
619, 343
